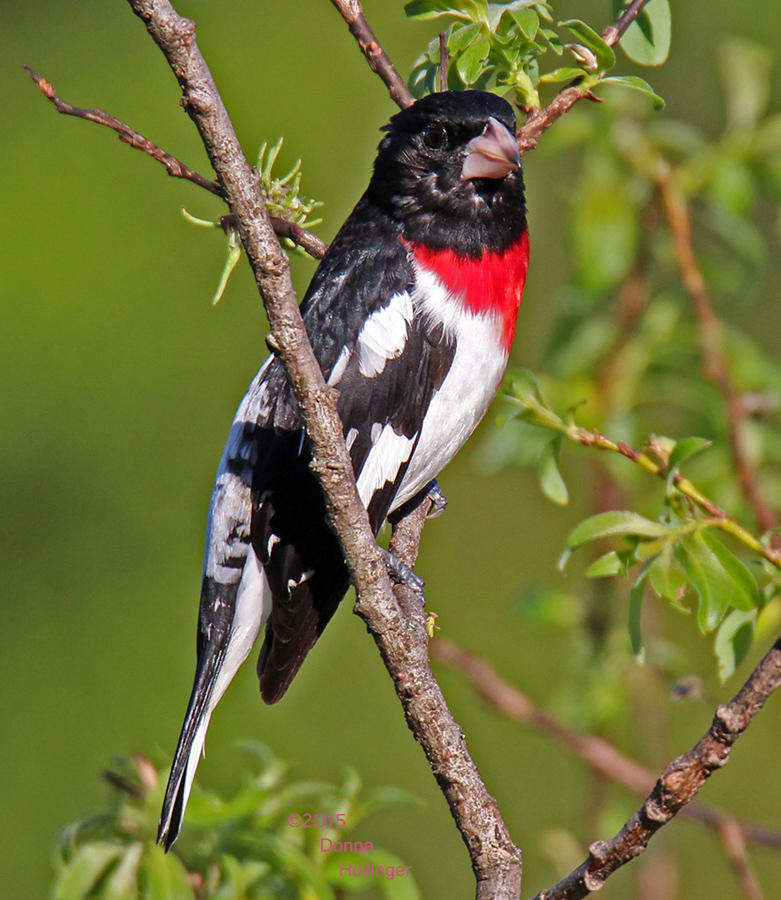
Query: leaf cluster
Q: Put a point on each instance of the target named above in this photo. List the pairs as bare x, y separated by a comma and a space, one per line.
237, 847
282, 195
503, 47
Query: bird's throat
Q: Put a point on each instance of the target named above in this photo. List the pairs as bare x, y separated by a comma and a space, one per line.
492, 283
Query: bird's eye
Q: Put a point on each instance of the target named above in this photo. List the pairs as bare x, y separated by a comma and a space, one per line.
436, 137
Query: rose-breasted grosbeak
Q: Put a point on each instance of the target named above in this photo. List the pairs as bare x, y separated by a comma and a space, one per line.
411, 315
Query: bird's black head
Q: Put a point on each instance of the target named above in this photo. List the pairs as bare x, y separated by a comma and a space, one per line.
449, 172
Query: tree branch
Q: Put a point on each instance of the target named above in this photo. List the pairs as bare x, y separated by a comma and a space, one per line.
443, 61
539, 120
596, 752
403, 644
715, 364
310, 242
677, 785
496, 861
612, 34
378, 59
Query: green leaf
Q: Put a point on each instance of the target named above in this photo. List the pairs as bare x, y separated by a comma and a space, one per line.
528, 22
686, 448
647, 40
523, 385
123, 881
635, 609
611, 523
231, 261
586, 35
551, 482
567, 73
636, 84
471, 62
666, 575
606, 566
432, 9
165, 877
82, 872
733, 641
708, 578
745, 592
461, 36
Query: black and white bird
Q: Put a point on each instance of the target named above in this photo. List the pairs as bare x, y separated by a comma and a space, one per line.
411, 315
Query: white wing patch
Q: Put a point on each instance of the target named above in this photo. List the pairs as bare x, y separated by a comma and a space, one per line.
384, 335
386, 457
339, 366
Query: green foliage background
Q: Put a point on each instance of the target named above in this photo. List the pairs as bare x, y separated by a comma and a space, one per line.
120, 382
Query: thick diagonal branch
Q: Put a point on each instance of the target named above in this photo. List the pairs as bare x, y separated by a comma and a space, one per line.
677, 785
496, 861
494, 858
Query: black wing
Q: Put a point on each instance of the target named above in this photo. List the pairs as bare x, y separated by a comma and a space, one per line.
385, 377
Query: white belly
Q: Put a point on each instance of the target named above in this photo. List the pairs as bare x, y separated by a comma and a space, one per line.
468, 389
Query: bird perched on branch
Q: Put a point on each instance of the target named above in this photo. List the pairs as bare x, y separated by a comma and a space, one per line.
411, 315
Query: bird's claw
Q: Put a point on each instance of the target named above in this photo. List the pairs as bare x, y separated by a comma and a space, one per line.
438, 499
401, 573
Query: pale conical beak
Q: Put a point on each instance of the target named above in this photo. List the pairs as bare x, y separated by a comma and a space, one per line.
492, 154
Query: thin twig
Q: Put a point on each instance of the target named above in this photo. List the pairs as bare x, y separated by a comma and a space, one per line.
677, 785
310, 242
715, 365
538, 120
443, 61
612, 33
734, 842
352, 13
495, 859
596, 752
719, 518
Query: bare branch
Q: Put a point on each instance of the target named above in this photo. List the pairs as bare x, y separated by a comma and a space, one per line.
539, 120
715, 364
443, 61
310, 242
677, 785
596, 752
352, 13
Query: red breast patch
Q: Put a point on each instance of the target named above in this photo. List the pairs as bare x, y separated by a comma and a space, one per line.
492, 283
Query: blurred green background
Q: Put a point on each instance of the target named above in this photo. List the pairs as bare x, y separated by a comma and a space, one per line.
120, 382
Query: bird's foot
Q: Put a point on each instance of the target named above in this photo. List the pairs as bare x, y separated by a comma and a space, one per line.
401, 573
438, 499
